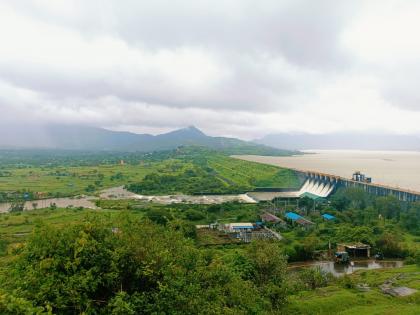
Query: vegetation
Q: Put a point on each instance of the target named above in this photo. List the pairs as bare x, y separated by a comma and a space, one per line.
199, 171
139, 258
131, 266
340, 298
189, 170
136, 257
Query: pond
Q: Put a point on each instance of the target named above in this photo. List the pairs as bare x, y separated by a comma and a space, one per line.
342, 269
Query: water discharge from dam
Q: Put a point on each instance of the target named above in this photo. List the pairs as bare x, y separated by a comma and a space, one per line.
400, 169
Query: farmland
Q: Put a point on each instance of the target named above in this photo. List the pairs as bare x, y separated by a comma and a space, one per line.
45, 254
187, 171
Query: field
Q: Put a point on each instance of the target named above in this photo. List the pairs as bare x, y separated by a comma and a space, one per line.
68, 181
208, 171
250, 173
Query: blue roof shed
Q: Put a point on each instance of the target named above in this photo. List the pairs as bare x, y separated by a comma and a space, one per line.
327, 216
293, 216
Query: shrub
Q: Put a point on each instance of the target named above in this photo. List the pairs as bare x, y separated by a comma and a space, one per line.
143, 268
347, 282
194, 215
315, 277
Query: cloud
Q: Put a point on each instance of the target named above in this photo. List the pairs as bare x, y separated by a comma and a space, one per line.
236, 68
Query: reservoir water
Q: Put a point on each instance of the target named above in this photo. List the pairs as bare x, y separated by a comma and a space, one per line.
400, 169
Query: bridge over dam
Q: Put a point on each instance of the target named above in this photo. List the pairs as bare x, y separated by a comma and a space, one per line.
321, 185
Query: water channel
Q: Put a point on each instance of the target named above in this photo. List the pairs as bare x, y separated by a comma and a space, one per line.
342, 269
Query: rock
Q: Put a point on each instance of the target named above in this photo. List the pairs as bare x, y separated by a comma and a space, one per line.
397, 291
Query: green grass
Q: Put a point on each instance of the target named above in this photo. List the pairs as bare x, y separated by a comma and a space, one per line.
206, 237
252, 174
335, 299
67, 181
216, 172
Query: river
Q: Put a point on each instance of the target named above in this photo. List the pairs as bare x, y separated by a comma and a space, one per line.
121, 193
400, 169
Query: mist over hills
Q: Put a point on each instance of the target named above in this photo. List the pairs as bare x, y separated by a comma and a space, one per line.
70, 137
342, 141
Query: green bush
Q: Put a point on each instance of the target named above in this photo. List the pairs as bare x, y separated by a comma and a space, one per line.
194, 215
315, 277
128, 266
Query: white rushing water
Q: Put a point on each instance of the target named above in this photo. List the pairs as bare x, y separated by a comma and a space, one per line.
120, 193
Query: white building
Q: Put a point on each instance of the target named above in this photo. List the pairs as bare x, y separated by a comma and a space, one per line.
239, 227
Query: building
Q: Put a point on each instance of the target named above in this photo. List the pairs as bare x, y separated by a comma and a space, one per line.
292, 216
328, 217
355, 249
296, 218
202, 226
239, 227
271, 218
359, 177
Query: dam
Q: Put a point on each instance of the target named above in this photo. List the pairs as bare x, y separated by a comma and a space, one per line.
322, 185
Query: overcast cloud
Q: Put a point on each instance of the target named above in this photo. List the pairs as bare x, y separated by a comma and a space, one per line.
233, 68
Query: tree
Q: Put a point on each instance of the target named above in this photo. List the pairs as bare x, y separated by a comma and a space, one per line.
389, 245
194, 215
17, 206
90, 188
143, 268
11, 305
411, 219
269, 270
159, 215
389, 207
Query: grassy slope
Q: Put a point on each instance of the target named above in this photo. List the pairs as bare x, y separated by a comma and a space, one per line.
251, 173
338, 300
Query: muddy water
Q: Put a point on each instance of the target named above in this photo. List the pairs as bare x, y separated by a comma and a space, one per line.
85, 202
342, 269
121, 193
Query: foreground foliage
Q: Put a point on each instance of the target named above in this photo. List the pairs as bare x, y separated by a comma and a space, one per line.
131, 266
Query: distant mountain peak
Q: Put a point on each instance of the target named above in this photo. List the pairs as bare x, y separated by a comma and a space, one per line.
193, 128
99, 139
190, 131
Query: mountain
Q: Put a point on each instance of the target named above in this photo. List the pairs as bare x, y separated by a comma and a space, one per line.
342, 141
98, 139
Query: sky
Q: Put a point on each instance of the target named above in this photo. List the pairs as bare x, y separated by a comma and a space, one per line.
241, 68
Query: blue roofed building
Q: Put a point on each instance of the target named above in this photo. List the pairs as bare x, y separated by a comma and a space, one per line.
298, 219
292, 216
328, 217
